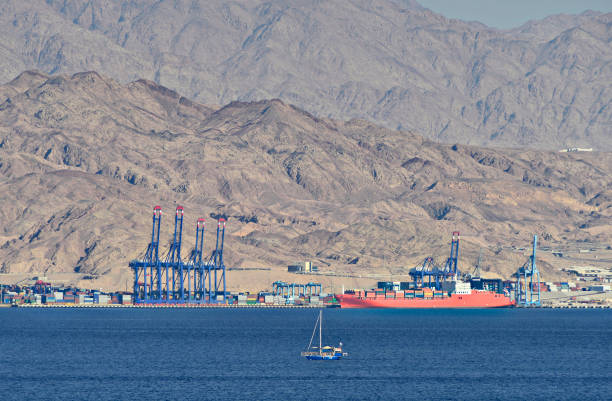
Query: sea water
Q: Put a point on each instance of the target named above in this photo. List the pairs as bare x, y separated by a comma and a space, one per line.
254, 354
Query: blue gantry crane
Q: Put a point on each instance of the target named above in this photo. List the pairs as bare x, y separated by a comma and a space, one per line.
283, 289
426, 269
194, 269
450, 268
144, 267
528, 277
435, 274
170, 280
172, 266
215, 268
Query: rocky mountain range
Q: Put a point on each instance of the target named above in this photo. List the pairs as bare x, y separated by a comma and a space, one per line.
544, 85
84, 158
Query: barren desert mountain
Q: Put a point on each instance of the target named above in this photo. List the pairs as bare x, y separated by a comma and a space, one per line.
544, 85
84, 158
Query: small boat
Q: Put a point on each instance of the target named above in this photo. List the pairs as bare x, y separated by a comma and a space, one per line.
326, 353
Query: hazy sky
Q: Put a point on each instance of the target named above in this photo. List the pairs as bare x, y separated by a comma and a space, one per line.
505, 14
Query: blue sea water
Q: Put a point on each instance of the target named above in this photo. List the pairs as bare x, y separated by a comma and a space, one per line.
254, 354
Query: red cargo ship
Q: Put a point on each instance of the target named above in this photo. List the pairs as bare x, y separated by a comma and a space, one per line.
455, 293
474, 299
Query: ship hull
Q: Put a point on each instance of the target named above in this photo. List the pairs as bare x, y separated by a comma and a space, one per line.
323, 357
477, 299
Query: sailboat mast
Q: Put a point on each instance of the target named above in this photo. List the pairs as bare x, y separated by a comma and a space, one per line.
320, 329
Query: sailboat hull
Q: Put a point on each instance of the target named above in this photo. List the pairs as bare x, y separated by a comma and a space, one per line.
323, 357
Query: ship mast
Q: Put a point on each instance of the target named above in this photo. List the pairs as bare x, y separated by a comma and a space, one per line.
320, 329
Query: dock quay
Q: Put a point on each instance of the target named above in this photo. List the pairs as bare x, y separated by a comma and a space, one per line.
171, 306
566, 306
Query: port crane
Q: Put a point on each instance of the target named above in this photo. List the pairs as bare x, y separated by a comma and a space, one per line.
170, 279
147, 264
528, 277
215, 266
286, 289
194, 273
475, 274
429, 269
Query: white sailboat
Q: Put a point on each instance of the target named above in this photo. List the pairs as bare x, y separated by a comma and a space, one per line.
322, 353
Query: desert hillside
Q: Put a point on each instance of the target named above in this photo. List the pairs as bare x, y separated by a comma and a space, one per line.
83, 159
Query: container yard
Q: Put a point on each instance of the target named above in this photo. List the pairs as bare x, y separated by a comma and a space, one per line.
44, 294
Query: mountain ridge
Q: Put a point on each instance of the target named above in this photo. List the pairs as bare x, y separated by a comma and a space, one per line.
542, 85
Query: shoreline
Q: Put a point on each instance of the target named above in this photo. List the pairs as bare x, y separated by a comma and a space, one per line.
150, 306
209, 306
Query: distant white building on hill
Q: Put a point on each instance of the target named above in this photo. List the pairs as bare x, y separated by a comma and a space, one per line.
576, 150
